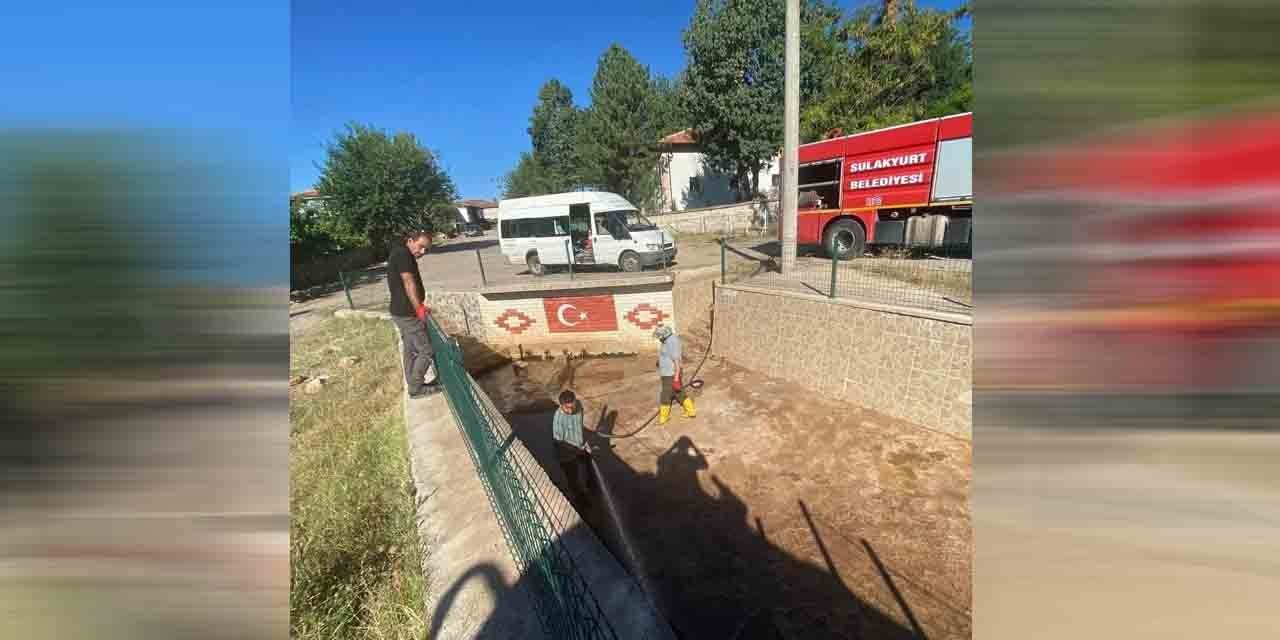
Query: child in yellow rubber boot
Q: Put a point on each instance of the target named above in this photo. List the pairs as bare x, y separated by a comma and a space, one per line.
671, 369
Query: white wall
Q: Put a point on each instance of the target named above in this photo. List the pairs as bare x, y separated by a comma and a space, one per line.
715, 185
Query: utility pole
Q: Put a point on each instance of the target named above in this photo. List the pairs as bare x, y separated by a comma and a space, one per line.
791, 138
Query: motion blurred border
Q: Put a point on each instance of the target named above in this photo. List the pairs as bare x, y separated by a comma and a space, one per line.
143, 321
1128, 326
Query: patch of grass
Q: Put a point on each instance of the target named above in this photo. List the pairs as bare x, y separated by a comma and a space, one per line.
952, 278
954, 282
357, 562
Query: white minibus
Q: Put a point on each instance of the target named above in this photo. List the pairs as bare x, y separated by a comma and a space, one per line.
585, 227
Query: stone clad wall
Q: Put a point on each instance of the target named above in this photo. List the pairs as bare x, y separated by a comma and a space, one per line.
600, 320
693, 298
729, 219
609, 319
907, 364
457, 313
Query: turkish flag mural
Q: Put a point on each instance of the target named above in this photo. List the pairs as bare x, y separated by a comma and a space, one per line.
581, 313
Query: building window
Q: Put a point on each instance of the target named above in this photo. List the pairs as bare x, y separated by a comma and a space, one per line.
695, 185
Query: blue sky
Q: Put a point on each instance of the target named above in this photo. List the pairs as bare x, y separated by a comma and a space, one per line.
154, 64
208, 83
461, 76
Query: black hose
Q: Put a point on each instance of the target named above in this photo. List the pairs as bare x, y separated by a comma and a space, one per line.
694, 381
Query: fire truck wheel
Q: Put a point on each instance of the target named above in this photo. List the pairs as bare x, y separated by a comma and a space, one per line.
844, 239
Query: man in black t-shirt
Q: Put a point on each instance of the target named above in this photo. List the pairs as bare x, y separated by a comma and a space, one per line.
409, 311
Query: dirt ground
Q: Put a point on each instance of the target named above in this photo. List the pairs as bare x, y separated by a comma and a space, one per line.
773, 513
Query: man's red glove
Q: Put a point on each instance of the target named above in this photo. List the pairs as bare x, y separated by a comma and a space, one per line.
421, 312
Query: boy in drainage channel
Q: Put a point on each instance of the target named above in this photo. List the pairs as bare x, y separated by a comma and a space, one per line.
409, 312
671, 371
572, 450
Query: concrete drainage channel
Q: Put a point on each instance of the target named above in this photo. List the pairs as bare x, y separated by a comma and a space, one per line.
501, 358
526, 328
569, 563
528, 407
568, 580
675, 539
524, 393
773, 510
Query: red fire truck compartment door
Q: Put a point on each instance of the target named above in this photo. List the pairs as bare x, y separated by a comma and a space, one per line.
889, 167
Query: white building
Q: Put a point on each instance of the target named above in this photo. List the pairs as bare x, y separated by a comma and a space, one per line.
476, 211
311, 199
688, 183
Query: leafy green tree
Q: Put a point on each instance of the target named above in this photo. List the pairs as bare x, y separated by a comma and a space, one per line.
552, 129
958, 100
897, 63
668, 109
617, 142
530, 177
378, 185
307, 235
823, 45
734, 83
440, 217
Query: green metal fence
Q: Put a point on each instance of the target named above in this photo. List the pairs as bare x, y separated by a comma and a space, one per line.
565, 606
939, 279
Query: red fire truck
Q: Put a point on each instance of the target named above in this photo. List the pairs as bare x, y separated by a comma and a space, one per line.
906, 185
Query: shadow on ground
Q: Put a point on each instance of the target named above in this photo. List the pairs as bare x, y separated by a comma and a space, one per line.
711, 571
773, 249
468, 245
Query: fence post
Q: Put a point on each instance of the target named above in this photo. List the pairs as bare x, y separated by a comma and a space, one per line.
835, 260
568, 254
347, 288
480, 261
722, 267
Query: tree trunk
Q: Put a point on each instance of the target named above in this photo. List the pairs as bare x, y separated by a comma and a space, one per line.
889, 13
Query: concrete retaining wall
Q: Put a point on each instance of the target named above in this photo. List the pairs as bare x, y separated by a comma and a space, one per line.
588, 315
729, 219
909, 364
458, 313
599, 316
693, 298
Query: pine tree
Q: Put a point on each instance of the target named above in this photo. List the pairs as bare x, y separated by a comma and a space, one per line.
553, 130
617, 142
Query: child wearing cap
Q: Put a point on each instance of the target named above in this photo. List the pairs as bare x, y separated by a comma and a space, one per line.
572, 449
